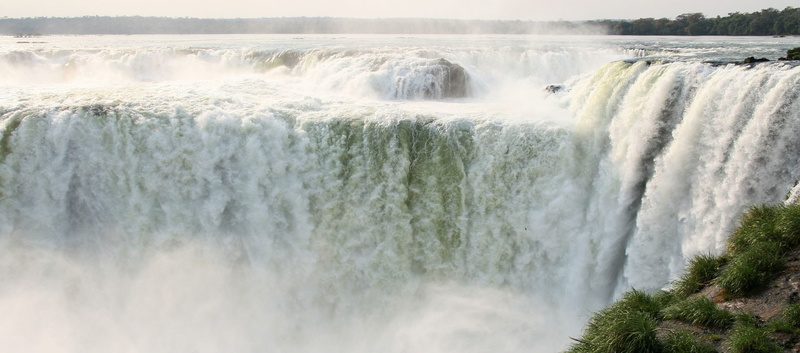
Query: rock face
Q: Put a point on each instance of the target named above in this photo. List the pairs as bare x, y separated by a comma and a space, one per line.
553, 89
455, 81
753, 60
766, 306
432, 79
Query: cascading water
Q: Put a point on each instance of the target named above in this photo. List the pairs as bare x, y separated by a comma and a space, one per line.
330, 195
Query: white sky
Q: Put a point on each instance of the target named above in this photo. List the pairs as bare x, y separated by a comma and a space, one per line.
461, 9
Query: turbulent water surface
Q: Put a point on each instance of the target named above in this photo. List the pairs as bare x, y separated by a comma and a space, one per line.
369, 193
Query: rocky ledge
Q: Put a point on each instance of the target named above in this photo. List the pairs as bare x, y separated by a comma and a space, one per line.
744, 301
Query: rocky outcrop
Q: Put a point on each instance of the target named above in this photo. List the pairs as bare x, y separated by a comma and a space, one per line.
753, 60
434, 79
553, 89
744, 301
455, 81
792, 54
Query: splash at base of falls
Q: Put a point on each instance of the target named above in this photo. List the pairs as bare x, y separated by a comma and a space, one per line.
190, 298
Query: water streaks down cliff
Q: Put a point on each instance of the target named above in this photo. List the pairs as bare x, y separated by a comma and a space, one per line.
244, 215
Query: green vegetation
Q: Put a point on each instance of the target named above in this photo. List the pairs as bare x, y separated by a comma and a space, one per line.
767, 22
757, 253
767, 224
751, 270
650, 304
702, 269
758, 247
700, 311
748, 338
625, 326
757, 225
789, 223
793, 54
682, 341
789, 321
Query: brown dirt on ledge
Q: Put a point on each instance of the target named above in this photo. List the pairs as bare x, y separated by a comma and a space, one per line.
766, 306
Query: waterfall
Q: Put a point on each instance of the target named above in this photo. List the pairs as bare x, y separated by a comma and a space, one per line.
256, 210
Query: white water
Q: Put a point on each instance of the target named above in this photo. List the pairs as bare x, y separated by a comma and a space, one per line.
211, 194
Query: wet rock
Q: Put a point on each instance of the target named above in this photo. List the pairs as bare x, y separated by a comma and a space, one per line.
753, 60
455, 81
554, 89
436, 79
792, 54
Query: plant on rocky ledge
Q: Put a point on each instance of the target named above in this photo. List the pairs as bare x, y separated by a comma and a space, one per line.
777, 224
700, 311
682, 341
627, 326
757, 253
751, 269
702, 269
749, 338
789, 322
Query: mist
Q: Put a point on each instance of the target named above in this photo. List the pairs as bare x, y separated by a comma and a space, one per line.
570, 10
294, 25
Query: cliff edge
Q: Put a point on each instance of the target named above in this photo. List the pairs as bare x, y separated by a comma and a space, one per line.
746, 300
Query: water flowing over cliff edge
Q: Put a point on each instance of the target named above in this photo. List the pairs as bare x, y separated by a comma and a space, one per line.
368, 194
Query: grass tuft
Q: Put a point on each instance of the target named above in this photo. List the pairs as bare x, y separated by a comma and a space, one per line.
789, 226
620, 330
651, 304
789, 322
747, 318
700, 311
748, 338
752, 269
702, 269
756, 225
778, 224
627, 326
682, 341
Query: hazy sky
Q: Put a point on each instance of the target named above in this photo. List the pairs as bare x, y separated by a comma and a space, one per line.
465, 9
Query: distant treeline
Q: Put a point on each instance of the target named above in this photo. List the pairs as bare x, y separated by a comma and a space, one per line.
767, 22
290, 25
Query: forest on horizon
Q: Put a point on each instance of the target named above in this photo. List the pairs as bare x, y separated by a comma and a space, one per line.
767, 22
